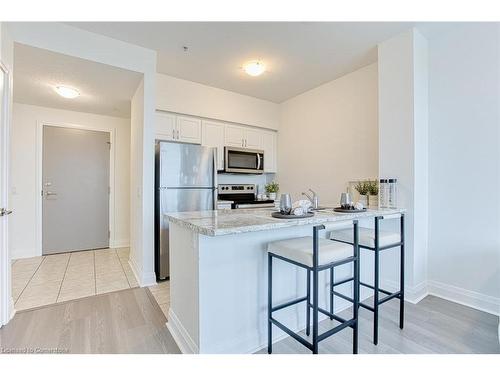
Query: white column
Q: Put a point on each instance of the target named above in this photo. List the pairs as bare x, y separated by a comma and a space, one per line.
403, 148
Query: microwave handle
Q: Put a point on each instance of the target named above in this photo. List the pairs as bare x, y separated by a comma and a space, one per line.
258, 161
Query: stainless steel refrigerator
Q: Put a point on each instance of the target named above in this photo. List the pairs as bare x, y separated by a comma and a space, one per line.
186, 180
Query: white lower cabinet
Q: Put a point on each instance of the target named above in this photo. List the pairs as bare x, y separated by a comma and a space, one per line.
212, 135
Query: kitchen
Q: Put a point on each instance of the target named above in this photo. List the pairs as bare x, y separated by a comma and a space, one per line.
234, 149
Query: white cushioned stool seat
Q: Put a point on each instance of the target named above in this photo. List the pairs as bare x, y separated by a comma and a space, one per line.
367, 237
300, 250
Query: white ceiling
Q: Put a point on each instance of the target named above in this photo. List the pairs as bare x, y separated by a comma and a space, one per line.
103, 89
299, 55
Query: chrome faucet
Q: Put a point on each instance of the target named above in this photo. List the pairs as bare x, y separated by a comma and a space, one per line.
314, 199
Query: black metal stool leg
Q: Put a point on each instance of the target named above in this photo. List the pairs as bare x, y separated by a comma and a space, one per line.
376, 285
331, 290
356, 291
402, 274
308, 304
269, 303
315, 273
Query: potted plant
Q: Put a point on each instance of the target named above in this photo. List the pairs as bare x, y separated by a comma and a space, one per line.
272, 189
373, 194
362, 188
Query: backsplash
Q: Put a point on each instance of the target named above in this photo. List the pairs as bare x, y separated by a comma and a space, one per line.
259, 180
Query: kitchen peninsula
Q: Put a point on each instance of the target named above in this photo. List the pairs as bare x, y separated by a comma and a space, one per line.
218, 281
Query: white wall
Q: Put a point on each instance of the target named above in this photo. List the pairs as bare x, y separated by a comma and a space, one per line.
464, 242
24, 189
181, 96
403, 142
328, 136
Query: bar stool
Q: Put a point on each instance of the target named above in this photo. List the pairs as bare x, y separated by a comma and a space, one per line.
315, 255
375, 240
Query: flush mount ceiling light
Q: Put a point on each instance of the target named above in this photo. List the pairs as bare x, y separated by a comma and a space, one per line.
254, 68
67, 92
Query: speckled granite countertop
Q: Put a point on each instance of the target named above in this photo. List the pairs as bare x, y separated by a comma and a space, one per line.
224, 222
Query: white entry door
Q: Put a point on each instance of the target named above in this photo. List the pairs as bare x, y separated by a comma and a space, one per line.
75, 191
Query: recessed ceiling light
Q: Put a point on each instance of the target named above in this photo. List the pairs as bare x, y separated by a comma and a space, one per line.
254, 68
67, 92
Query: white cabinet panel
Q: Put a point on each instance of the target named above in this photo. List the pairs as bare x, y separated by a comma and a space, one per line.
212, 135
253, 138
234, 136
188, 129
165, 126
269, 145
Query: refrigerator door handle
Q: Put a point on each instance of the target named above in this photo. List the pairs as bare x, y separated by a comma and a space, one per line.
215, 180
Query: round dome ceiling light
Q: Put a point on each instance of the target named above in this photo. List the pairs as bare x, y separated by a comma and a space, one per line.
254, 68
67, 92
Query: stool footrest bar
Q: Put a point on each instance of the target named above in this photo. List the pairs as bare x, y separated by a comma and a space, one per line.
329, 314
343, 296
336, 329
389, 297
372, 287
287, 330
366, 306
289, 303
343, 281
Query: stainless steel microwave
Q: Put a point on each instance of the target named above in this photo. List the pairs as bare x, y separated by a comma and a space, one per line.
243, 160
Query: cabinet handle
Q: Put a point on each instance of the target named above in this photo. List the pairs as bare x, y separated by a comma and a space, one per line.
173, 133
177, 133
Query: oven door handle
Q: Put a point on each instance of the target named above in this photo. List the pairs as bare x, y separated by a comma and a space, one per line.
258, 161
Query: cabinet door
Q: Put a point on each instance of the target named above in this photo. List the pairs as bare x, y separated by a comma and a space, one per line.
212, 135
269, 145
188, 129
165, 126
253, 138
234, 136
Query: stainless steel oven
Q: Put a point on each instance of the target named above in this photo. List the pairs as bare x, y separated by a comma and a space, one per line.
243, 160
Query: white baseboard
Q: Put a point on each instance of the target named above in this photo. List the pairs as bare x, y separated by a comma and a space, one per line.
144, 279
26, 253
451, 293
119, 243
465, 297
412, 294
181, 336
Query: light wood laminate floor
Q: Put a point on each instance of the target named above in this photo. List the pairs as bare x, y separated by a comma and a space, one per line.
433, 326
128, 321
45, 280
131, 321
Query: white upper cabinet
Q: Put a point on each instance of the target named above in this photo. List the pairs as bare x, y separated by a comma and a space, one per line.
269, 145
244, 137
188, 129
253, 138
212, 135
170, 127
235, 136
165, 126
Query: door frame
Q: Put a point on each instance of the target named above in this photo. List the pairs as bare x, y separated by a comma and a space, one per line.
6, 303
39, 177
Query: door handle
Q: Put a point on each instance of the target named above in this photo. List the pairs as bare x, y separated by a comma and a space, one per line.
47, 193
4, 212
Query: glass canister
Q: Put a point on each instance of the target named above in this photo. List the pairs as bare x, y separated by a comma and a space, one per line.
393, 192
383, 192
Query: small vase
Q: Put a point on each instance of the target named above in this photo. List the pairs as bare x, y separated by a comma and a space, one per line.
272, 196
373, 201
363, 199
